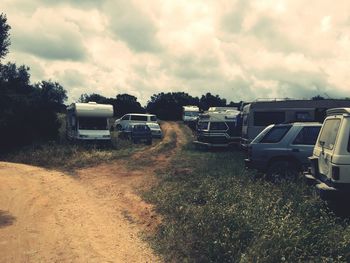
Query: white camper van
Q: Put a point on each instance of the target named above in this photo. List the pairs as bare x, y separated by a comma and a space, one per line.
88, 121
259, 114
190, 113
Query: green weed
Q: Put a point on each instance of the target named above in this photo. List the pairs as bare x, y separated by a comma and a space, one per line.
216, 211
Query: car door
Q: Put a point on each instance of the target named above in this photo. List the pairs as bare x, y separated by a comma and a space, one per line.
326, 144
124, 121
304, 142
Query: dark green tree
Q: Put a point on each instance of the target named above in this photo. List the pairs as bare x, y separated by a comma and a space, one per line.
208, 100
168, 106
4, 36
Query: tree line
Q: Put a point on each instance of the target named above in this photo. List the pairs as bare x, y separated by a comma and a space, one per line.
28, 112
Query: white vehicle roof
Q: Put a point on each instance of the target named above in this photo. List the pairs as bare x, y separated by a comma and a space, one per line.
228, 115
140, 114
92, 109
190, 108
218, 109
338, 111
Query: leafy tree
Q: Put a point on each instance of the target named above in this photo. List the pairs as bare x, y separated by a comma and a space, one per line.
122, 104
208, 100
4, 36
168, 106
53, 94
318, 97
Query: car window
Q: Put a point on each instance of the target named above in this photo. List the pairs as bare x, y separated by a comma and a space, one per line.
138, 118
125, 118
267, 118
329, 133
203, 125
307, 136
275, 134
218, 126
303, 116
153, 118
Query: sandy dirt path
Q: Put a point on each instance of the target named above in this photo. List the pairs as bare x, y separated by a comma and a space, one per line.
95, 216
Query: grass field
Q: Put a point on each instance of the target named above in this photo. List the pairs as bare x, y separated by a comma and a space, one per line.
216, 211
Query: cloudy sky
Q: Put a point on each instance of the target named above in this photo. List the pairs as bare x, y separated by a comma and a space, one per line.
241, 50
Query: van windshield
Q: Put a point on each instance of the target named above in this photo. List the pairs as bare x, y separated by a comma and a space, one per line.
329, 133
92, 123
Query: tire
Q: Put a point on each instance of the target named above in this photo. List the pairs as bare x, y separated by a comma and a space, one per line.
283, 170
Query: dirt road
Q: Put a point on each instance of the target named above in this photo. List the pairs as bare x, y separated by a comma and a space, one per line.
95, 216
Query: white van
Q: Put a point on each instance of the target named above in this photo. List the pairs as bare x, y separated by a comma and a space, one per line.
190, 113
123, 122
330, 161
88, 121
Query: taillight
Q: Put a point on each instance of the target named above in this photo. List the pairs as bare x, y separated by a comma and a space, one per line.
335, 172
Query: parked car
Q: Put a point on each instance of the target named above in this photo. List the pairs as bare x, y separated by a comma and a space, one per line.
155, 129
123, 122
138, 132
330, 160
282, 150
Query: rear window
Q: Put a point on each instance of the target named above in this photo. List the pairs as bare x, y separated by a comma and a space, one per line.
153, 118
218, 126
268, 117
307, 136
275, 134
138, 118
329, 133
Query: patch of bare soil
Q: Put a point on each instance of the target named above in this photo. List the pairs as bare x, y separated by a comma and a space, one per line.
96, 216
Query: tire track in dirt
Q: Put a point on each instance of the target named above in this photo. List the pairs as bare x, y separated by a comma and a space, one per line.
96, 216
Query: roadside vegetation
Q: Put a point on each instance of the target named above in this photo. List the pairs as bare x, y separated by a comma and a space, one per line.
216, 211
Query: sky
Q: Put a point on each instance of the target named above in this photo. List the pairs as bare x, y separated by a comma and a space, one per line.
240, 50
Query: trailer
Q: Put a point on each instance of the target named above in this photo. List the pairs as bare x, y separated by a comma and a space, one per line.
88, 122
259, 114
219, 128
190, 113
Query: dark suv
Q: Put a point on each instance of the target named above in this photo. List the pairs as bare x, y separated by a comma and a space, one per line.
282, 150
139, 132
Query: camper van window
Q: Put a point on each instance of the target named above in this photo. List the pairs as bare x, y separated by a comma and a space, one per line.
307, 136
275, 134
138, 118
203, 125
329, 133
91, 123
126, 118
153, 118
268, 117
218, 126
302, 116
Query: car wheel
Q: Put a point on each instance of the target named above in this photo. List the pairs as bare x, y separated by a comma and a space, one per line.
280, 171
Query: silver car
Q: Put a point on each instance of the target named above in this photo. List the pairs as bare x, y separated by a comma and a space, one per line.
282, 150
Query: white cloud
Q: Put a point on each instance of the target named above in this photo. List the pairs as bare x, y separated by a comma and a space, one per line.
238, 49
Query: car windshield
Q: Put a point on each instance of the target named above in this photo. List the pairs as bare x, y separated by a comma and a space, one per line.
191, 114
153, 118
92, 123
